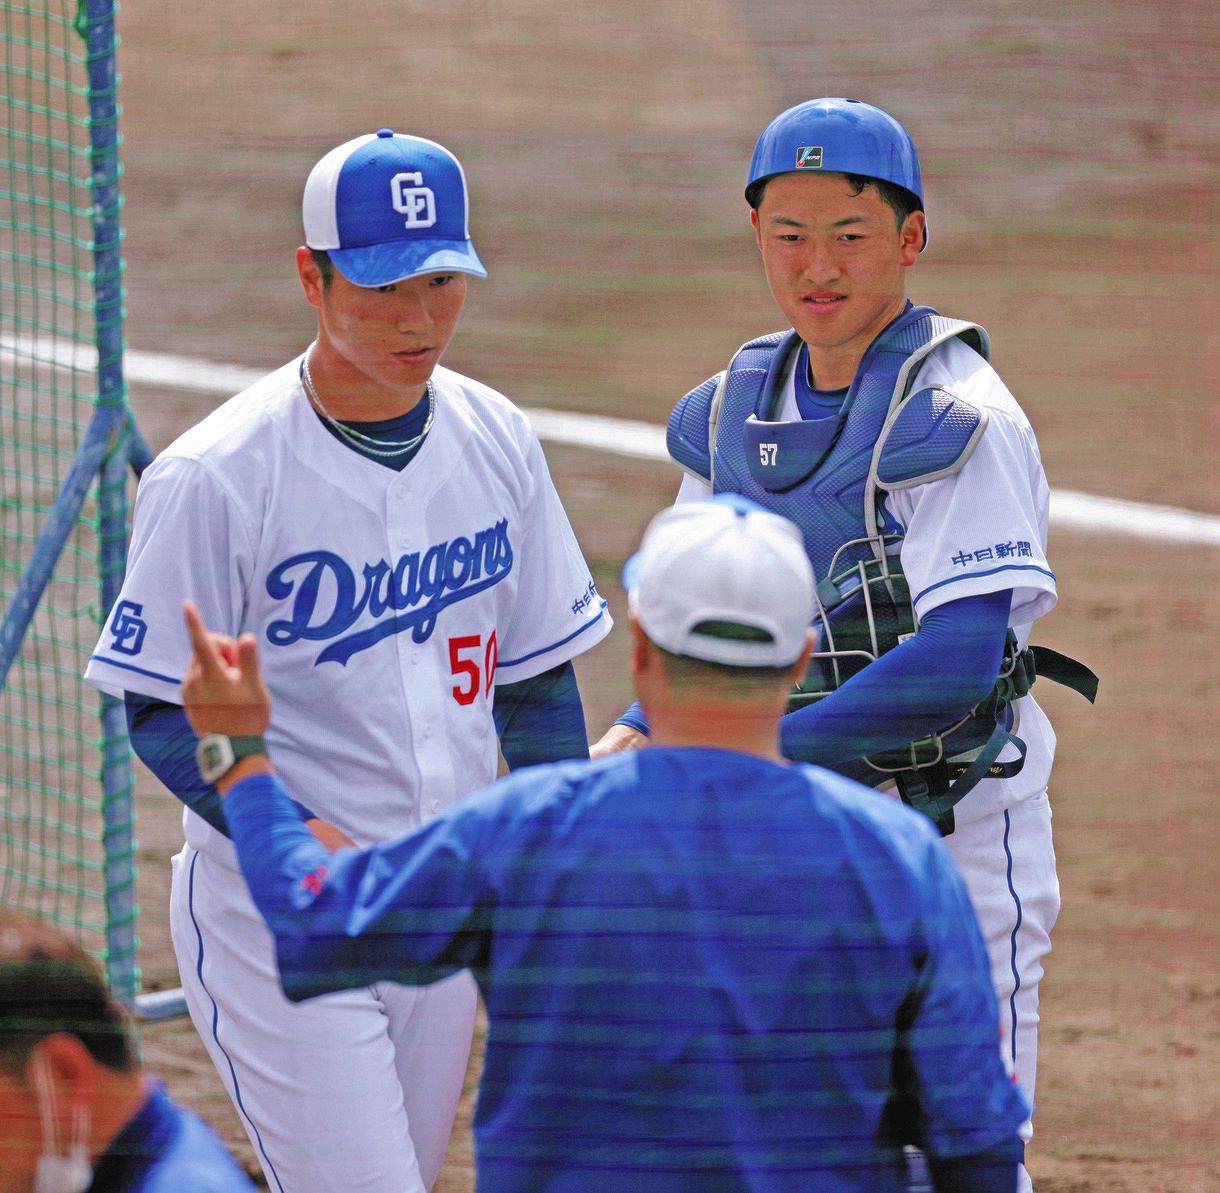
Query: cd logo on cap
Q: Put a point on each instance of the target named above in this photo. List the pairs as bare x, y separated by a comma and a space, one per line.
414, 200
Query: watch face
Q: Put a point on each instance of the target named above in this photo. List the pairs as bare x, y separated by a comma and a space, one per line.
214, 756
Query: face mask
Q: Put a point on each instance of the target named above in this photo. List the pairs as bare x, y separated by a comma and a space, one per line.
70, 1173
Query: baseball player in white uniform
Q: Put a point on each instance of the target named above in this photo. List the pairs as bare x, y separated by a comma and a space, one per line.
389, 530
883, 432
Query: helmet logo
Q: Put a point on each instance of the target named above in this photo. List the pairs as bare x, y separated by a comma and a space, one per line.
809, 157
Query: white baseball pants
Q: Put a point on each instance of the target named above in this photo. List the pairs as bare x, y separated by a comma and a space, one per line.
1008, 862
352, 1092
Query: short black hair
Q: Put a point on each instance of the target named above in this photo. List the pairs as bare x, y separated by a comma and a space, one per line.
684, 670
51, 986
900, 200
326, 267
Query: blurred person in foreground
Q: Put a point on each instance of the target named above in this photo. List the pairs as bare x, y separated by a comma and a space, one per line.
78, 1112
705, 968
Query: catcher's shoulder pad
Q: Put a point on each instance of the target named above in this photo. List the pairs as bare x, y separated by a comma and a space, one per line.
686, 436
932, 434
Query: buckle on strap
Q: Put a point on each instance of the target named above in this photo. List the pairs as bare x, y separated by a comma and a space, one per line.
927, 791
935, 790
1020, 668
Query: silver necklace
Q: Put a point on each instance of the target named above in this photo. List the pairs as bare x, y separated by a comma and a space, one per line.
367, 444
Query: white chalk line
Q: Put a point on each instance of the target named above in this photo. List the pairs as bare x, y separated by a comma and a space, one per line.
616, 436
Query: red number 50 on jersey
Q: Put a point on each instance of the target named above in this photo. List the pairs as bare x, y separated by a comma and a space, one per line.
464, 655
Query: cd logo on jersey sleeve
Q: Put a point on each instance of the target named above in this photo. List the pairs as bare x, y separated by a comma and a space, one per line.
128, 627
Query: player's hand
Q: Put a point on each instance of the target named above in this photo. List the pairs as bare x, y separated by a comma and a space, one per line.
223, 691
616, 739
329, 835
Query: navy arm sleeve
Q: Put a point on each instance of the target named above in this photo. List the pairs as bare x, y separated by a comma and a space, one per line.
925, 683
408, 911
634, 718
915, 689
541, 719
164, 741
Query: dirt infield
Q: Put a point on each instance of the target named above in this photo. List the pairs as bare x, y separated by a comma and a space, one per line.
1071, 174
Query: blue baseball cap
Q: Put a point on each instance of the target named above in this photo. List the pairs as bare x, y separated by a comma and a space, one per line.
387, 206
836, 135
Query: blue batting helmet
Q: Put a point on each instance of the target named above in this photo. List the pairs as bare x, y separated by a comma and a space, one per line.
840, 136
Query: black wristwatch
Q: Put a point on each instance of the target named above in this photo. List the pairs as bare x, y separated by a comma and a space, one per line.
217, 754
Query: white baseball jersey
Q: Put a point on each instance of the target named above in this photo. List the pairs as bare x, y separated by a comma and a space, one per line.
386, 604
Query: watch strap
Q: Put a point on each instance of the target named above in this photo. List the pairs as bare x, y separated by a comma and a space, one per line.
244, 747
217, 754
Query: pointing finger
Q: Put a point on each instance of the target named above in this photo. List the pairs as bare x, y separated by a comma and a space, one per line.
205, 649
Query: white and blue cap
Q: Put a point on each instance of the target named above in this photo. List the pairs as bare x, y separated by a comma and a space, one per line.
387, 206
725, 581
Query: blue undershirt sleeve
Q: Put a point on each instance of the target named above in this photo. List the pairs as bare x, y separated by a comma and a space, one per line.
541, 719
923, 684
634, 718
164, 741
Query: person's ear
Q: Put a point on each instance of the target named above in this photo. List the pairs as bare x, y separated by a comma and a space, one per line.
67, 1065
911, 237
643, 653
311, 277
802, 664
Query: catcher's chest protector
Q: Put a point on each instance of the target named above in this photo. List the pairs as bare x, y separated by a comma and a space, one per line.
887, 439
833, 497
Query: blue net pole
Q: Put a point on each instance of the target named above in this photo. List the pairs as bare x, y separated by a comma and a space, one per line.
95, 22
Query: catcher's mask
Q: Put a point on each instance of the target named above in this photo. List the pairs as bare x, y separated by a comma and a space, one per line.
863, 610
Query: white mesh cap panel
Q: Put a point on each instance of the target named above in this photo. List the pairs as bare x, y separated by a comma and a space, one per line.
318, 203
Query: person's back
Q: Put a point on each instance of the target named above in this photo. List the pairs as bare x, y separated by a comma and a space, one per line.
706, 968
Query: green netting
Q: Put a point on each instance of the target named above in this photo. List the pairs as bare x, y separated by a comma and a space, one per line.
60, 819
